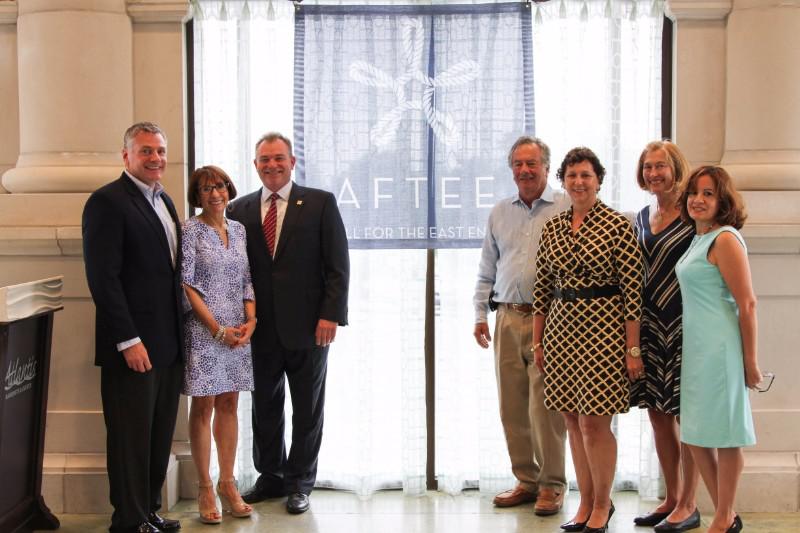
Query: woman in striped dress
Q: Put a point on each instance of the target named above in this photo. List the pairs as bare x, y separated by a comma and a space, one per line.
664, 237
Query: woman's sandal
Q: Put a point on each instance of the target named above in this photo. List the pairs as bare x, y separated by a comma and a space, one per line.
208, 514
236, 506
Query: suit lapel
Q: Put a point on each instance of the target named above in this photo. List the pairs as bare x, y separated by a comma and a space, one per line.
150, 215
293, 210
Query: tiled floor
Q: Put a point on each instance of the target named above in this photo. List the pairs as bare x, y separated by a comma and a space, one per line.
391, 512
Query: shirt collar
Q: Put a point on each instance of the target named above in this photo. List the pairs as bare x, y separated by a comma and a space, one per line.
153, 191
283, 192
547, 196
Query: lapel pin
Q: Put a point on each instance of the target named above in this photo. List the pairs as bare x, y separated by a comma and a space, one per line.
299, 202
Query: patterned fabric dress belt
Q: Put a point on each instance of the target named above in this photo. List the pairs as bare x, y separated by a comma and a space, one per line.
571, 294
519, 308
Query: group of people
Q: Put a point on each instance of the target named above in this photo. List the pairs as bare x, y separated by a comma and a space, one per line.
241, 297
596, 314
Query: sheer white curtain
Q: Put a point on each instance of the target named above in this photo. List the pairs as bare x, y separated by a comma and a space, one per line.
597, 83
375, 434
243, 65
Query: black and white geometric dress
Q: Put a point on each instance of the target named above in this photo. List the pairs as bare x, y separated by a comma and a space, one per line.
661, 331
584, 340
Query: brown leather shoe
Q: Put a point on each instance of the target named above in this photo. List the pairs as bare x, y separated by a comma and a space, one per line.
515, 496
549, 501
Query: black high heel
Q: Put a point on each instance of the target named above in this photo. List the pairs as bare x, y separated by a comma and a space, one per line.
603, 529
572, 525
737, 525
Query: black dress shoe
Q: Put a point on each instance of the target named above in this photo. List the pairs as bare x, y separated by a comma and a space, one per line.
164, 524
650, 519
146, 527
297, 503
259, 494
572, 525
665, 526
737, 525
603, 529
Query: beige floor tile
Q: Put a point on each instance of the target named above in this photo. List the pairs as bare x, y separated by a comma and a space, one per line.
391, 512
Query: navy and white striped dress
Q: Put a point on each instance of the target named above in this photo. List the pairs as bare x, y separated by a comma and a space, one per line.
661, 331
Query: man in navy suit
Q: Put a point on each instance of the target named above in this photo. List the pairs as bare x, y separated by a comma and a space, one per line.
300, 266
131, 247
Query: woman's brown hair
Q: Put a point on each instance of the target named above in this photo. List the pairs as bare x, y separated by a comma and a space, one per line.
208, 173
730, 206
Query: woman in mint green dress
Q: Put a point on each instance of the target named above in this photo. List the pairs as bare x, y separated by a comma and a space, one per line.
719, 339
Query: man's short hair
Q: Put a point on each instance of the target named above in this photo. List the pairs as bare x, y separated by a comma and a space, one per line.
274, 136
527, 139
139, 127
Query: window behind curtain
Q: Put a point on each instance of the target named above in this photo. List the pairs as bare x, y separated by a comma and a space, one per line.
597, 83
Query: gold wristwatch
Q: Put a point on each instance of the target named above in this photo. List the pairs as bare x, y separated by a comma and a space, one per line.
635, 352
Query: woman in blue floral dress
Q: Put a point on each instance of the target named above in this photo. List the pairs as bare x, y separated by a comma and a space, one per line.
216, 278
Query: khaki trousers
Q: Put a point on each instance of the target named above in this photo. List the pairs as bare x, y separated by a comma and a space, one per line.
535, 435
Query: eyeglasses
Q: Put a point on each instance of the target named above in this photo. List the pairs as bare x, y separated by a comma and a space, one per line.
219, 187
658, 166
766, 382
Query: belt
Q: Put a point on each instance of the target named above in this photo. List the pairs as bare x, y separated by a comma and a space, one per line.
571, 294
519, 308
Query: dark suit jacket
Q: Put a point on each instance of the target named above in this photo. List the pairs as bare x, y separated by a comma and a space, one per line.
136, 291
309, 277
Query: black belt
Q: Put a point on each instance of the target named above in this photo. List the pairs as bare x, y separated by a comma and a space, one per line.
571, 294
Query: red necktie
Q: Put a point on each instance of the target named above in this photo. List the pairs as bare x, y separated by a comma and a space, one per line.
271, 223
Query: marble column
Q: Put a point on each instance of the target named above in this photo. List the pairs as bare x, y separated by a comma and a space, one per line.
74, 74
75, 61
736, 104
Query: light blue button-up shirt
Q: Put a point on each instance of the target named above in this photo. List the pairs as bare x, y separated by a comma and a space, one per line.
508, 256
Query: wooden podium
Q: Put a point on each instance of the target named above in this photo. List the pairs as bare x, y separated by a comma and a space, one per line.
26, 327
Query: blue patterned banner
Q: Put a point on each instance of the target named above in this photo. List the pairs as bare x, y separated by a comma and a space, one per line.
407, 113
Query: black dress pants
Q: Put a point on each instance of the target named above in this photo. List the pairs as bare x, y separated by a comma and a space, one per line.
305, 370
140, 411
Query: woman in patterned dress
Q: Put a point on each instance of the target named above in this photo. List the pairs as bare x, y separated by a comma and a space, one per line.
586, 329
664, 237
719, 339
216, 278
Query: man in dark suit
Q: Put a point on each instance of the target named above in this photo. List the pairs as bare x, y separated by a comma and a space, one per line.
300, 267
131, 247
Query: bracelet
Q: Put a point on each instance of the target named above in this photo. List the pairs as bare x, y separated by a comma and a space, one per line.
249, 318
537, 345
220, 334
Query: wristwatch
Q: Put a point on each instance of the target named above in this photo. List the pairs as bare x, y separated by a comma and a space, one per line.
635, 352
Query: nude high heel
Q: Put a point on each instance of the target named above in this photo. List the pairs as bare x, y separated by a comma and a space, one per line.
209, 514
235, 506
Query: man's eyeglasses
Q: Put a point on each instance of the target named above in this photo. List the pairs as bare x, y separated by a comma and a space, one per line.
766, 382
219, 187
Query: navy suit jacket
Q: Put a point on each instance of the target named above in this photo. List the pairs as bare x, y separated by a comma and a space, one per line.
136, 290
308, 278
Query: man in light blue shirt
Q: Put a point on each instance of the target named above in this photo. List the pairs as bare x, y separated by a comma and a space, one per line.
507, 271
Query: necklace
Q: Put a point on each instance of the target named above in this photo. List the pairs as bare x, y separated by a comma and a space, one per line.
704, 230
661, 214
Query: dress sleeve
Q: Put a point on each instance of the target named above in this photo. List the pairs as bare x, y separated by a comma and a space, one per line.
543, 287
189, 237
628, 264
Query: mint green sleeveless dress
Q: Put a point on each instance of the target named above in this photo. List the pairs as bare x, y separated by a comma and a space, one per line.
715, 408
